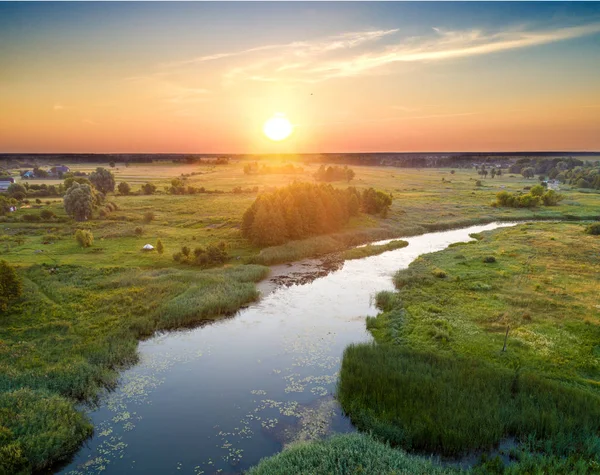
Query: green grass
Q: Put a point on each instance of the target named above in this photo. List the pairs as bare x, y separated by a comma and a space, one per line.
38, 427
438, 381
430, 403
81, 317
77, 326
346, 455
372, 250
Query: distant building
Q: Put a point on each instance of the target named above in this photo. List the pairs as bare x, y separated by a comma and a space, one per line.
61, 169
5, 182
28, 174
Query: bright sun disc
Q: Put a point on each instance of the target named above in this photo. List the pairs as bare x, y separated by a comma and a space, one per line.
278, 127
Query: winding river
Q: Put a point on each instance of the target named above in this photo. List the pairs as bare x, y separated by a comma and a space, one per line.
218, 398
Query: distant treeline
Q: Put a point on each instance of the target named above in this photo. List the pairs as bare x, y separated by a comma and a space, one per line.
301, 210
566, 170
408, 160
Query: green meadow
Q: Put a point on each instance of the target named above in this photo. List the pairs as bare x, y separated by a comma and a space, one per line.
83, 310
488, 341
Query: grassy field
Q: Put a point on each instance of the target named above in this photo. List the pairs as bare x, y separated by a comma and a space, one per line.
84, 309
422, 202
438, 379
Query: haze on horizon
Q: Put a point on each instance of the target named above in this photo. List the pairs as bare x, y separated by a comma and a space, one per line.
351, 77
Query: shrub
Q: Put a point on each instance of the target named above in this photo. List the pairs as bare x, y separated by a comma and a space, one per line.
10, 286
148, 216
551, 198
439, 273
139, 231
489, 259
537, 190
46, 214
593, 229
478, 183
178, 256
185, 251
159, 247
84, 238
38, 201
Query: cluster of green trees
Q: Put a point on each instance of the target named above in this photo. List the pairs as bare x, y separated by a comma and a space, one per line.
21, 191
301, 210
536, 196
335, 173
483, 171
287, 169
209, 256
581, 177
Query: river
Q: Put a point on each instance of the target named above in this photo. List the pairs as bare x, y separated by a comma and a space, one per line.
218, 398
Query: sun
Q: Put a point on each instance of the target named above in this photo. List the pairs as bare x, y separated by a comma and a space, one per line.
278, 127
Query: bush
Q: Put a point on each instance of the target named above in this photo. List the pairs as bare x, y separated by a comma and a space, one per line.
148, 216
139, 231
593, 229
159, 247
489, 259
84, 238
10, 286
46, 214
551, 198
439, 273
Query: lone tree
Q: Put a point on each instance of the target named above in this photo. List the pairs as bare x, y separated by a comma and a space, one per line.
528, 172
159, 247
124, 188
10, 285
103, 180
80, 201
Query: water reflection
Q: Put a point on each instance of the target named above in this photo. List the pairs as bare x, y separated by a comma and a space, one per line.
218, 398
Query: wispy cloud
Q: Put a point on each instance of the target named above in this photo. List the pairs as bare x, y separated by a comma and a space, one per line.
58, 107
358, 53
299, 48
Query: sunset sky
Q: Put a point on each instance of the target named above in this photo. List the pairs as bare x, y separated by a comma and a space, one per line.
351, 77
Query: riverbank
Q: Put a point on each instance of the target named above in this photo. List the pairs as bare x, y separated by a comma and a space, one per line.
488, 341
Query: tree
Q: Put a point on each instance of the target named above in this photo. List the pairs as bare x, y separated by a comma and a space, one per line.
124, 188
10, 285
103, 180
159, 247
148, 189
112, 164
528, 172
16, 189
80, 201
76, 179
